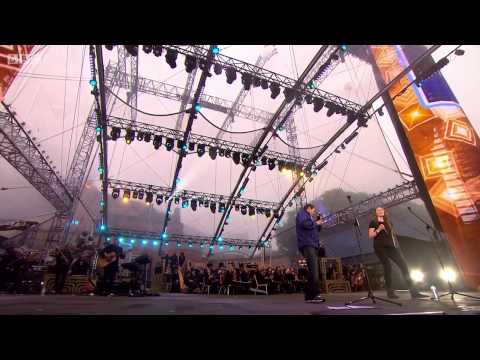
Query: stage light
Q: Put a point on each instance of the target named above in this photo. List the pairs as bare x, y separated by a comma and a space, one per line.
200, 150
115, 133
178, 180
169, 143
166, 243
317, 104
141, 193
202, 245
256, 81
164, 236
275, 90
115, 193
135, 194
344, 47
237, 207
308, 99
244, 210
147, 49
231, 74
221, 207
131, 49
149, 197
448, 275
126, 195
216, 50
211, 247
417, 275
220, 239
171, 58
93, 82
251, 210
271, 164
268, 213
217, 68
157, 50
191, 146
380, 111
190, 63
221, 152
289, 94
159, 199
228, 153
129, 136
213, 207
264, 84
193, 204
109, 47
245, 159
246, 81
264, 160
331, 108
184, 204
212, 151
157, 141
459, 52
176, 200
144, 242
121, 240
232, 248
179, 244
190, 245
140, 136
236, 157
206, 203
132, 241
147, 137
155, 243
281, 165
220, 247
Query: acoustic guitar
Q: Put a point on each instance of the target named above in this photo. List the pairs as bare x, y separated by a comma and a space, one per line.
106, 260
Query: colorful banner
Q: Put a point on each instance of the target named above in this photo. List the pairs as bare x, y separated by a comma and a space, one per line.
12, 58
447, 153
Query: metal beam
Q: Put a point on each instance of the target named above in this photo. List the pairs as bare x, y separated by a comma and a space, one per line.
18, 148
186, 194
342, 130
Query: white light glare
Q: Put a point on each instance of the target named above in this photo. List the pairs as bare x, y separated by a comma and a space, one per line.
448, 275
417, 275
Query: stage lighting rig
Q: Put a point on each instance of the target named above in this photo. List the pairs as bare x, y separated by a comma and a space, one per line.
132, 49
308, 99
169, 144
318, 104
149, 197
246, 81
135, 194
147, 49
200, 150
251, 210
115, 193
281, 165
185, 203
243, 210
180, 144
171, 58
221, 152
228, 153
140, 135
237, 207
245, 159
275, 90
217, 69
193, 204
271, 164
157, 141
289, 94
264, 160
157, 50
331, 108
256, 81
212, 151
129, 136
191, 146
141, 193
221, 207
236, 157
264, 84
115, 133
147, 137
176, 200
213, 207
126, 195
190, 63
268, 213
231, 74
159, 199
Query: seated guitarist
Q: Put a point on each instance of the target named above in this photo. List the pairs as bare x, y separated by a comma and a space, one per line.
115, 252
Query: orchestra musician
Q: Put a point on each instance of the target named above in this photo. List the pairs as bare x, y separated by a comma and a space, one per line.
386, 248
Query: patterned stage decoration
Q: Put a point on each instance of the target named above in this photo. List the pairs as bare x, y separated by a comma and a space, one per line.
12, 58
447, 152
74, 284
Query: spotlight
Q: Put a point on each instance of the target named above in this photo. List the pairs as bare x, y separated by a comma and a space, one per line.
245, 159
228, 153
281, 165
251, 210
131, 49
256, 81
157, 141
115, 193
135, 194
271, 164
275, 90
317, 104
236, 157
126, 195
217, 69
176, 200
246, 81
417, 275
190, 244
243, 210
448, 275
264, 84
237, 207
213, 207
380, 111
147, 137
179, 244
171, 58
159, 199
264, 160
193, 204
190, 63
331, 108
144, 242
221, 152
149, 197
155, 243
180, 144
459, 52
191, 146
200, 150
206, 203
221, 208
115, 133
308, 99
184, 203
129, 136
140, 135
169, 143
212, 151
157, 50
268, 213
289, 94
231, 74
147, 49
109, 47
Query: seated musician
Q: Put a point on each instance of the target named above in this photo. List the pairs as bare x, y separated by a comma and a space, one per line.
110, 271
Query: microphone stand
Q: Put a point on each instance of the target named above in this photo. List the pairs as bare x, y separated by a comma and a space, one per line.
357, 232
435, 244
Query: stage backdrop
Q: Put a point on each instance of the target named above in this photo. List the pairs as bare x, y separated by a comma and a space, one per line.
446, 150
12, 58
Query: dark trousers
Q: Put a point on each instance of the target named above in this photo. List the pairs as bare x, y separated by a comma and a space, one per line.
109, 278
385, 254
313, 279
60, 278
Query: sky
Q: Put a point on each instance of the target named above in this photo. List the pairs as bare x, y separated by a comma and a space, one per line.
52, 96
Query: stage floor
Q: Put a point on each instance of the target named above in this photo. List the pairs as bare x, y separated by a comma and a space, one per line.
186, 304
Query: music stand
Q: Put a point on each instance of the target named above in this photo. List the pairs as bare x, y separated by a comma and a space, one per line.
435, 242
370, 295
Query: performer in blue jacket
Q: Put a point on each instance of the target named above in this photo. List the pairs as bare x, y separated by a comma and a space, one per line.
308, 240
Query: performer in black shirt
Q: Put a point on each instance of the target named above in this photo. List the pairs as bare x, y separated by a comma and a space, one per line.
110, 271
386, 248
